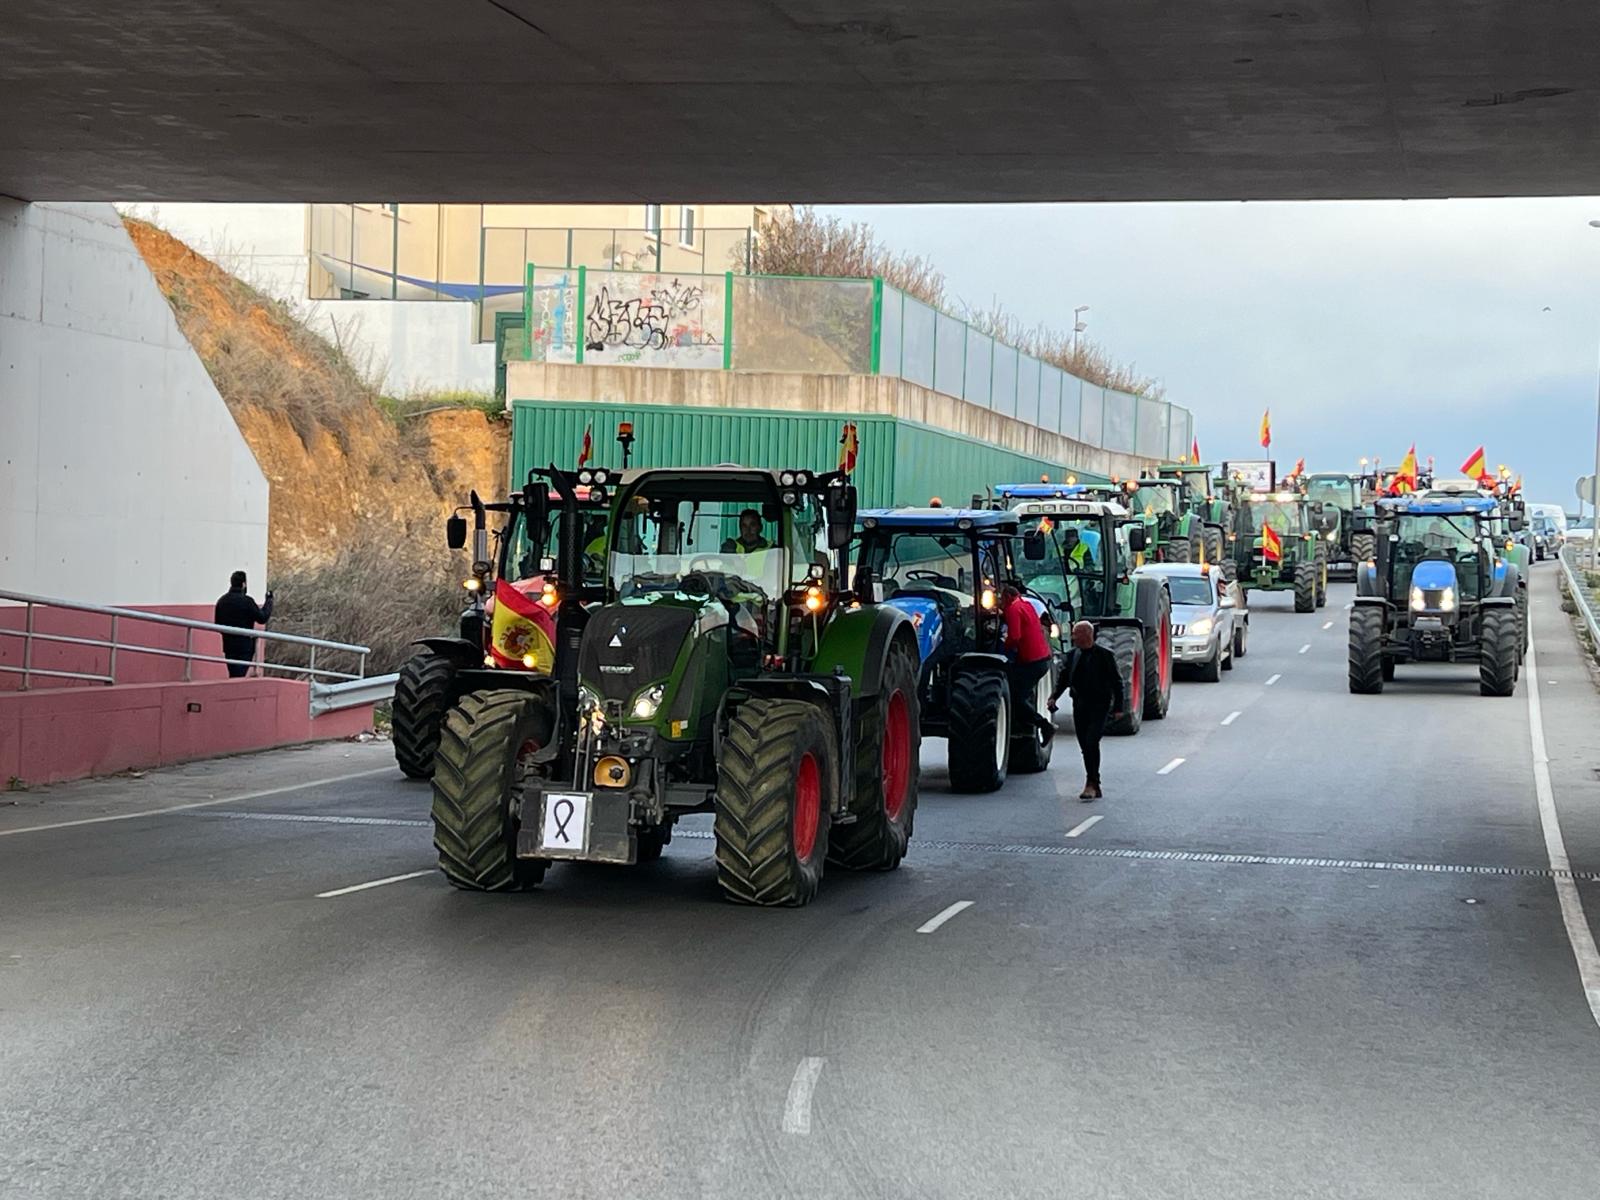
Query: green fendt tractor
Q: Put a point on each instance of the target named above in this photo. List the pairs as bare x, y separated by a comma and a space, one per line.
1344, 520
1291, 557
728, 671
1438, 589
1174, 532
519, 570
1078, 556
1207, 501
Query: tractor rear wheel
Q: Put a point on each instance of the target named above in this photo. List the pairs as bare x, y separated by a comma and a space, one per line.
1127, 647
888, 757
1366, 650
422, 696
1158, 660
1213, 547
980, 730
485, 748
1305, 587
1032, 749
1178, 550
1522, 622
1363, 547
1497, 652
1322, 573
776, 778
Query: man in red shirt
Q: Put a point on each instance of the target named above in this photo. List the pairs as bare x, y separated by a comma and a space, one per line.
1028, 652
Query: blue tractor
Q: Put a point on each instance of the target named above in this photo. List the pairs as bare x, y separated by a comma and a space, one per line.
1437, 590
944, 568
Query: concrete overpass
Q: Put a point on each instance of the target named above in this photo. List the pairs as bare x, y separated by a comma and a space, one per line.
483, 100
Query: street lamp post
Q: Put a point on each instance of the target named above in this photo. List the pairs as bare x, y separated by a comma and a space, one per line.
1078, 326
1594, 480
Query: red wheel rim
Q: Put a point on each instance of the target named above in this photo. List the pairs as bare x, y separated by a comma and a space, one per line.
896, 755
1137, 687
807, 806
1165, 666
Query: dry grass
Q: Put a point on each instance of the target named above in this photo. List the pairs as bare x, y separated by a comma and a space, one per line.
1086, 360
384, 594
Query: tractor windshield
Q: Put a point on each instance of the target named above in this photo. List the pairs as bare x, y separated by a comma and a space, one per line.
1332, 490
1436, 537
1282, 515
1071, 572
525, 546
1153, 499
928, 563
729, 546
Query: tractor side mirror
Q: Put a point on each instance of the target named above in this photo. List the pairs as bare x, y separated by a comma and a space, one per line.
1137, 539
841, 512
455, 533
1033, 547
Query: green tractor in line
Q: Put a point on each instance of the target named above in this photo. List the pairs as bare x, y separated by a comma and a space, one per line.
1079, 556
1344, 521
727, 670
1438, 589
1275, 548
1208, 502
1174, 532
519, 579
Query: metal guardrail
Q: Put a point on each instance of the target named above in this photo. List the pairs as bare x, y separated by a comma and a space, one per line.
1579, 590
31, 635
330, 697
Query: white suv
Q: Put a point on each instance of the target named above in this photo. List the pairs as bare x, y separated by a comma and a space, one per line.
1210, 624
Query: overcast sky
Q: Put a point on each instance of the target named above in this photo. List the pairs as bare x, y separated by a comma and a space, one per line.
1364, 325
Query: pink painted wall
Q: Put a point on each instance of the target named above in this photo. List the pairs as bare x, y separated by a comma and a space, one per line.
48, 736
131, 667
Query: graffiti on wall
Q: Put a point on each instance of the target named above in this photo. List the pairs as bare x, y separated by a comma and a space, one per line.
653, 320
553, 336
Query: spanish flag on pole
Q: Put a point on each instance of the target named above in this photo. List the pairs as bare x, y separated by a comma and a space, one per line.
1194, 451
1266, 429
585, 454
847, 447
519, 632
1271, 545
1405, 478
1476, 467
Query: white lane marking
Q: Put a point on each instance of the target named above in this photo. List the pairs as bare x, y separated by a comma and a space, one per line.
797, 1109
1555, 846
1083, 827
1273, 679
172, 808
1304, 648
958, 907
1327, 624
1231, 717
1349, 606
1172, 766
361, 887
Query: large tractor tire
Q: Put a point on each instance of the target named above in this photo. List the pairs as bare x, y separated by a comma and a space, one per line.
1363, 547
1032, 749
1158, 659
776, 778
485, 748
1366, 650
1497, 652
1127, 647
1230, 570
1522, 622
1178, 550
422, 696
980, 730
1322, 573
1212, 539
1305, 587
1197, 543
888, 761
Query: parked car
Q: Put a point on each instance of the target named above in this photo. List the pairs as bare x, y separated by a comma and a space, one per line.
1581, 531
1543, 537
1210, 624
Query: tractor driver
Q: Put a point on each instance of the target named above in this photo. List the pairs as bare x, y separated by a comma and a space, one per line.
751, 536
1075, 552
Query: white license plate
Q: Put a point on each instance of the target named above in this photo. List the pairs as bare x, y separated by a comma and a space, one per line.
565, 827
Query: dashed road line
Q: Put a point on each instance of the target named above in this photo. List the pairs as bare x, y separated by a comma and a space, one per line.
1232, 717
176, 808
1572, 915
1349, 606
940, 918
1083, 827
797, 1108
1327, 624
316, 819
1172, 766
1272, 679
373, 883
1304, 648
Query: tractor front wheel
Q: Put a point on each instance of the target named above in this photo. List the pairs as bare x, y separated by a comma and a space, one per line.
1305, 587
1127, 647
1212, 540
1363, 547
485, 750
776, 779
1158, 661
1178, 551
980, 730
1322, 574
1497, 652
1031, 748
422, 696
888, 757
1366, 650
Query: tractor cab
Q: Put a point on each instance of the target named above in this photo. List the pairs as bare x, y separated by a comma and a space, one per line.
1275, 547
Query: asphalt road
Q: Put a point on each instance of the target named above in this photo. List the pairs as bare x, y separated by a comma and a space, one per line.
1321, 956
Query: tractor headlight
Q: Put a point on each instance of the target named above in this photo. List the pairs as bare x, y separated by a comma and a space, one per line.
1200, 628
647, 701
1333, 535
987, 599
1417, 600
1447, 600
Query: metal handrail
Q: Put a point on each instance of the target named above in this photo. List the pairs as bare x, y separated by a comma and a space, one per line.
1580, 596
29, 635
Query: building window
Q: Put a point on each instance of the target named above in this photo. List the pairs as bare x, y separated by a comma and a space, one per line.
652, 218
686, 226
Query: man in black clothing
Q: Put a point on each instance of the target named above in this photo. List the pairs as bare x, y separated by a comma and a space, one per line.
238, 610
1097, 696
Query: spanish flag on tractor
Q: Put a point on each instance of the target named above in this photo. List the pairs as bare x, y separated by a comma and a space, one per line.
1476, 467
847, 447
520, 631
1405, 479
1266, 429
1271, 544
